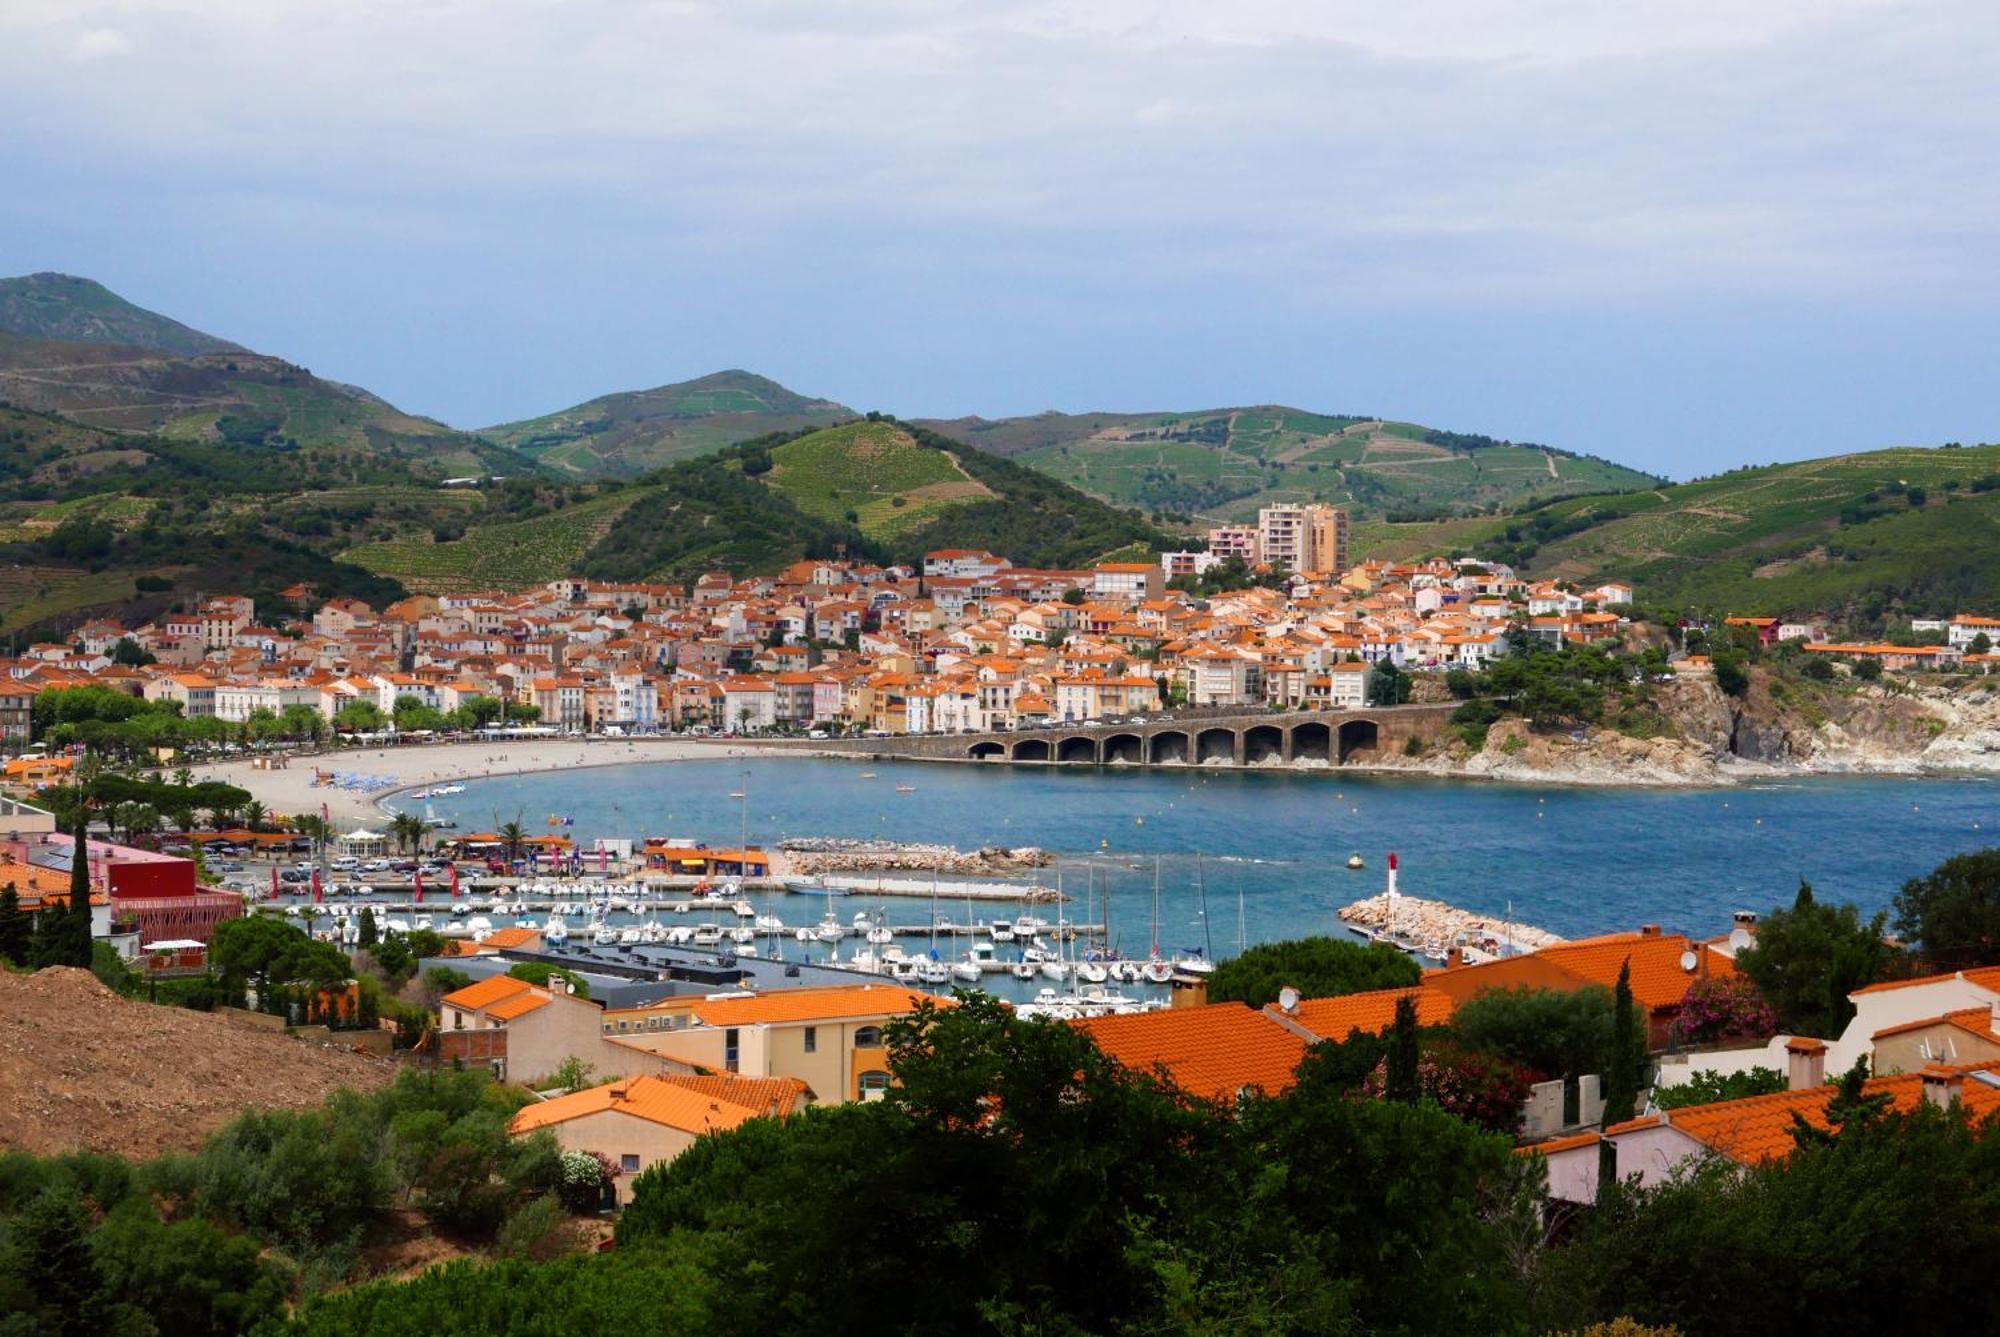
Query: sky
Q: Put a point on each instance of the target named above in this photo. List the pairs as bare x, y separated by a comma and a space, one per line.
1683, 234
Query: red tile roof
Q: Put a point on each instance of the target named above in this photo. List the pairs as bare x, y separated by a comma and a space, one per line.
1213, 1051
1759, 1128
1986, 977
667, 1100
1373, 1011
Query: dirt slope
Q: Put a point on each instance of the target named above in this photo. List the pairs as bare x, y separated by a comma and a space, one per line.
83, 1069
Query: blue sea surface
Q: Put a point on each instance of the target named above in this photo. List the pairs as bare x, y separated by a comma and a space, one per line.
1573, 860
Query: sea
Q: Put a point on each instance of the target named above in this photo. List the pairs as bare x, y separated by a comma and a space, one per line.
1244, 857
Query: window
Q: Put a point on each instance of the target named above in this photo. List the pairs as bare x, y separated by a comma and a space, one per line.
873, 1085
730, 1049
628, 1163
812, 1039
868, 1037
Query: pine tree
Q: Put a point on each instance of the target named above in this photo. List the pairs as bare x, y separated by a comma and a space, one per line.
49, 1249
1400, 1080
1628, 1052
368, 932
17, 929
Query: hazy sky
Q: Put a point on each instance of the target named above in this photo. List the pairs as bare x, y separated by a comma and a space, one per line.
1681, 233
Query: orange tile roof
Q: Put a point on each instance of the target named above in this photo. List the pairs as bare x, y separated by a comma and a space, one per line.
1373, 1011
486, 992
778, 1096
1986, 977
1759, 1128
655, 1099
1213, 1051
1978, 1020
518, 1006
1658, 980
1555, 1144
510, 937
841, 1002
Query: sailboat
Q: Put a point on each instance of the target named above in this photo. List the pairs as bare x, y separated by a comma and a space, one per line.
1156, 970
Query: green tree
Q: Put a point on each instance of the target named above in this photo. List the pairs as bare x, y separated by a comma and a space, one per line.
1808, 959
367, 935
1400, 1081
540, 972
17, 929
1626, 1053
1388, 685
1953, 912
1318, 967
1555, 1032
48, 1277
360, 717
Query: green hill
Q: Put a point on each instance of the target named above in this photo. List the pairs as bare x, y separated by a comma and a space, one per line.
1223, 464
1861, 538
67, 309
757, 506
626, 434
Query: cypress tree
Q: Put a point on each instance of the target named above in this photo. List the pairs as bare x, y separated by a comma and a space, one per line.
1400, 1079
1628, 1052
76, 924
17, 931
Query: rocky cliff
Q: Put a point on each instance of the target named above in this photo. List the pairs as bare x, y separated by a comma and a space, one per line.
1781, 726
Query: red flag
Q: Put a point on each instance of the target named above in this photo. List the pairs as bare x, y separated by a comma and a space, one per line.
316, 893
417, 882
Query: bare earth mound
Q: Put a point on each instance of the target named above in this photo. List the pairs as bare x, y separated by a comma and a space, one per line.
83, 1069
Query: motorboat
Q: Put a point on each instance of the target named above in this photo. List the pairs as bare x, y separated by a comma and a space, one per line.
880, 933
741, 935
707, 935
1003, 933
1091, 973
1021, 970
1157, 971
604, 936
933, 972
1055, 969
830, 930
555, 932
770, 924
680, 935
1355, 863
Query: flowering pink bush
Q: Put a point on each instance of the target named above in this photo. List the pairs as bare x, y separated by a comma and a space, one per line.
1478, 1087
1724, 1007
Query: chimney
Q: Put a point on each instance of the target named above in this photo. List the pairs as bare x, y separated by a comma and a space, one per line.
1805, 1063
1454, 956
1942, 1087
1649, 930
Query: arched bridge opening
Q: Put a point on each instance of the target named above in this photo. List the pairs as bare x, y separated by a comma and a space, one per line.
986, 751
1167, 749
1077, 748
1031, 749
1215, 745
1124, 749
1358, 738
1312, 742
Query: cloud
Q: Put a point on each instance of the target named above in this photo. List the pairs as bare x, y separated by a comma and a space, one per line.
100, 44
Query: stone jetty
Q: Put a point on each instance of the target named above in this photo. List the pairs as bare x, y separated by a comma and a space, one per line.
1414, 922
815, 856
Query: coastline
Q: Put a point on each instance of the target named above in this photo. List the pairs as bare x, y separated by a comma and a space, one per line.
290, 791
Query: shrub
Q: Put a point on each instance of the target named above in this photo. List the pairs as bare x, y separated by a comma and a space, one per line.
1724, 1007
585, 1175
1706, 1088
539, 1231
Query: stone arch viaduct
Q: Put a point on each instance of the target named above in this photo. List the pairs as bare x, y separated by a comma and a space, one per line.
1244, 738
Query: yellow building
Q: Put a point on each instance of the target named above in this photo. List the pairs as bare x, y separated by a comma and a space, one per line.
828, 1038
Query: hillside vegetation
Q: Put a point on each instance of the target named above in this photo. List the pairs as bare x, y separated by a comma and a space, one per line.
68, 309
1851, 536
1223, 464
757, 506
626, 434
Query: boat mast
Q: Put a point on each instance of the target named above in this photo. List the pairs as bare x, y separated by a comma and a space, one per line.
1201, 892
1156, 908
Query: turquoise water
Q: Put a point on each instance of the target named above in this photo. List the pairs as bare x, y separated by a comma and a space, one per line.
1575, 861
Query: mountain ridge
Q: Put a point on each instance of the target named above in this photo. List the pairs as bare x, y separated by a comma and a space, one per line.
66, 308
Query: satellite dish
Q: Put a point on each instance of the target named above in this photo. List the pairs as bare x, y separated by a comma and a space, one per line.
1288, 999
1740, 938
1689, 960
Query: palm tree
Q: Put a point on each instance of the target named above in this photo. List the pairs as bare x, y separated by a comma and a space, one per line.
183, 776
513, 836
254, 814
408, 829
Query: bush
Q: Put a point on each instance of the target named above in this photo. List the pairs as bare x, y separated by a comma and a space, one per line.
1318, 967
539, 1231
1706, 1088
585, 1176
1724, 1007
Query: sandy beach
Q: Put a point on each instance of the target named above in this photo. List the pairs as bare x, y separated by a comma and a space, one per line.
291, 790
